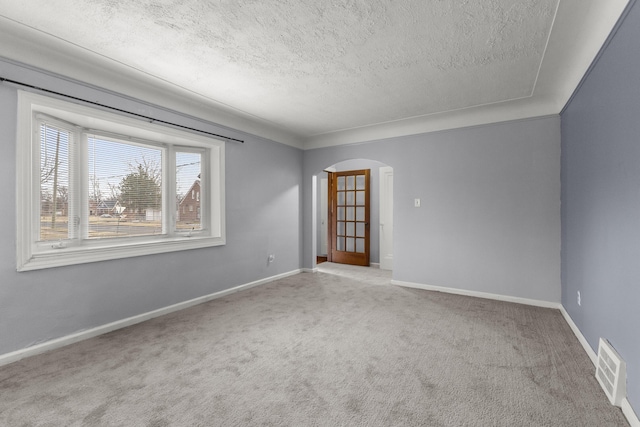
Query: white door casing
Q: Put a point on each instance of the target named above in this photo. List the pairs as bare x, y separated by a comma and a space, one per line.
386, 218
324, 228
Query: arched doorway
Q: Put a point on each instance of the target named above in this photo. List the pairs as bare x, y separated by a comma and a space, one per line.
381, 210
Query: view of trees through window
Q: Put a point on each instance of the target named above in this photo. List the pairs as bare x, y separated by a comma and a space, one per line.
54, 180
125, 188
189, 191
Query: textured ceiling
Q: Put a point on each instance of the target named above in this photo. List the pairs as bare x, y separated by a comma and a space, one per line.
310, 67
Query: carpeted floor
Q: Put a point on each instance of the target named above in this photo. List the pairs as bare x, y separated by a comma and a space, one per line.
340, 347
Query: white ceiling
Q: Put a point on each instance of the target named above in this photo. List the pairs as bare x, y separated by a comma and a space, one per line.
312, 73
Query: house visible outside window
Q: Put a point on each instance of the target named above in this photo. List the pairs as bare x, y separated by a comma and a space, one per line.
94, 186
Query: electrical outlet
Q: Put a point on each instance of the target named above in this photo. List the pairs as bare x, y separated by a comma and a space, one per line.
271, 258
579, 298
416, 203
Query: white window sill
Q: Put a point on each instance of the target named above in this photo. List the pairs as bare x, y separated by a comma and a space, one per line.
80, 255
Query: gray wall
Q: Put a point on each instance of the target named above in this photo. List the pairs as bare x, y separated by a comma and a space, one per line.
601, 201
374, 190
490, 215
263, 197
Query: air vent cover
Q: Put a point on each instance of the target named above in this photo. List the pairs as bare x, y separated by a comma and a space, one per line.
611, 373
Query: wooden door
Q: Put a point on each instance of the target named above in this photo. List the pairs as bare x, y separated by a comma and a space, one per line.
349, 228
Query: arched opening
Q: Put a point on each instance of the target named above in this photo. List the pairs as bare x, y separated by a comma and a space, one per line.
381, 210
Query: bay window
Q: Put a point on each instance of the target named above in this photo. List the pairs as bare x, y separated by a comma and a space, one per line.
93, 185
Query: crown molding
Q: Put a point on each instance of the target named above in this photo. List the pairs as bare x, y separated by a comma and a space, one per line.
39, 51
580, 29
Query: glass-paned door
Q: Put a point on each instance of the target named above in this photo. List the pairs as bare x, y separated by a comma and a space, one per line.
349, 216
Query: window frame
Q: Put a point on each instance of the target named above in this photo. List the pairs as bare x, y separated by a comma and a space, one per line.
33, 254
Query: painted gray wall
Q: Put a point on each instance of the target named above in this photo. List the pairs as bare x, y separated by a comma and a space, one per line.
263, 213
601, 201
374, 202
490, 215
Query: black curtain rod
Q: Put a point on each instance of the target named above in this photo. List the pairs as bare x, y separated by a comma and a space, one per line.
151, 119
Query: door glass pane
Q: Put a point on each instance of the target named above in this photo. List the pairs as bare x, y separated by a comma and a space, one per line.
351, 213
360, 182
351, 247
360, 246
351, 228
341, 182
341, 197
351, 182
359, 214
340, 231
360, 229
350, 198
360, 198
340, 214
340, 243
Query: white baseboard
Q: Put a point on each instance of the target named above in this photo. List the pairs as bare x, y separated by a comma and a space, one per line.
627, 410
583, 341
626, 407
14, 356
310, 270
498, 297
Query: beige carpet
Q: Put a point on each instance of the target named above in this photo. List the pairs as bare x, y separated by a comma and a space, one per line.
340, 347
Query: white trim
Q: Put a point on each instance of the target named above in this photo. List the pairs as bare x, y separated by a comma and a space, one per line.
626, 407
385, 236
517, 300
32, 256
39, 54
629, 413
560, 71
14, 356
310, 270
585, 344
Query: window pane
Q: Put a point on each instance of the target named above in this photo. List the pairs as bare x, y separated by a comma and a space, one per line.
54, 180
125, 189
341, 214
340, 197
75, 197
341, 183
340, 243
360, 182
360, 198
360, 246
359, 229
359, 214
188, 191
340, 230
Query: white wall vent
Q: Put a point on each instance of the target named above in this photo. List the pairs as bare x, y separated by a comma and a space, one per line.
611, 373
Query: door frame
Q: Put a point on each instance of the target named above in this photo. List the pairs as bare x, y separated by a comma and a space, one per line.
386, 217
324, 219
